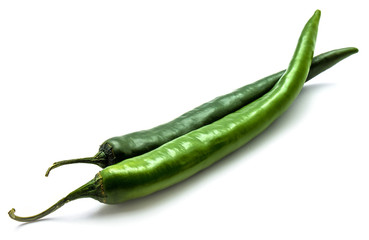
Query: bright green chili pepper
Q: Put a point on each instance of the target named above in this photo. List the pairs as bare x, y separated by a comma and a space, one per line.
133, 144
194, 151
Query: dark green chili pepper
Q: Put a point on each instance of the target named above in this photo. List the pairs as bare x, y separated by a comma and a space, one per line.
130, 145
198, 149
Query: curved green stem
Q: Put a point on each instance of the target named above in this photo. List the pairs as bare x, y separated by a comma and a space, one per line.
92, 189
99, 159
54, 207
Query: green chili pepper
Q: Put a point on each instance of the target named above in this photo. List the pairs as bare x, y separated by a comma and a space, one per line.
194, 151
133, 144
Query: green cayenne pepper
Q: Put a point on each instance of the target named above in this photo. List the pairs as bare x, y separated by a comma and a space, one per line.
190, 153
133, 144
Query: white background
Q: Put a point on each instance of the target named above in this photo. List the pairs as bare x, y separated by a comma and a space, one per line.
74, 73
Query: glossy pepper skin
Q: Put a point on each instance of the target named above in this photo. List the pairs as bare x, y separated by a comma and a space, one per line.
197, 150
193, 152
134, 144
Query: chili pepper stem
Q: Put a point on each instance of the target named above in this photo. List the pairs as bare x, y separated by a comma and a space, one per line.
99, 159
54, 207
92, 189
